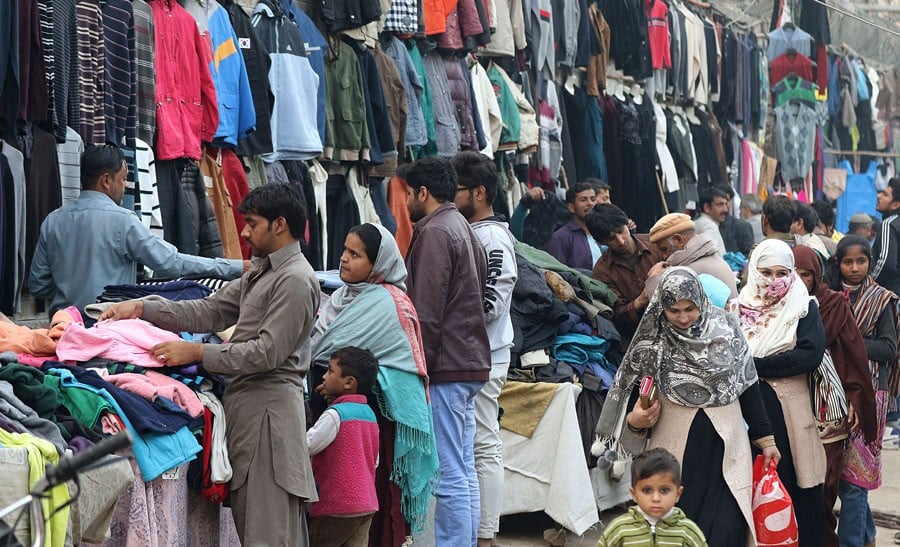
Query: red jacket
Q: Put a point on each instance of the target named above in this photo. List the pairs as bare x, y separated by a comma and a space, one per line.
186, 108
436, 13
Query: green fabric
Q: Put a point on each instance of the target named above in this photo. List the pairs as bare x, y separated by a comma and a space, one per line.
85, 406
27, 385
509, 109
603, 297
345, 120
430, 149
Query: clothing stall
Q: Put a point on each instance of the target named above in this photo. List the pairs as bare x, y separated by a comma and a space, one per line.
208, 99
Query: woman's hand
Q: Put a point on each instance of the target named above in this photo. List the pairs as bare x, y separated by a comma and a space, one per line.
644, 418
770, 453
852, 417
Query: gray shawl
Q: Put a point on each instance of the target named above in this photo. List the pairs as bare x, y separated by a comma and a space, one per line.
707, 365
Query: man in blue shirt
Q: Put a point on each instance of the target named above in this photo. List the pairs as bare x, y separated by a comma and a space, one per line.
93, 242
571, 244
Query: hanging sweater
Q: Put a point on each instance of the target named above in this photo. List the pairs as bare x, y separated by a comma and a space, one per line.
345, 468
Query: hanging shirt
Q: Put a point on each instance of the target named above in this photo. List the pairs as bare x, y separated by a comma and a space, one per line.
790, 63
783, 39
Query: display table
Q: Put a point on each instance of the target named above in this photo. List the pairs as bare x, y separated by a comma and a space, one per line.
163, 513
547, 471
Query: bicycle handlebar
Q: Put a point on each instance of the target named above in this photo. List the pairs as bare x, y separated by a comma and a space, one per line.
69, 466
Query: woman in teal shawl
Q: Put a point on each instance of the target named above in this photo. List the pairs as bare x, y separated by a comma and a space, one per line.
372, 311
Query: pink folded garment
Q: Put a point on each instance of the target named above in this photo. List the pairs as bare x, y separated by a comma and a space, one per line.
153, 384
129, 341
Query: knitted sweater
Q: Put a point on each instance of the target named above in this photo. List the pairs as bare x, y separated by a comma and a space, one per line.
632, 529
345, 469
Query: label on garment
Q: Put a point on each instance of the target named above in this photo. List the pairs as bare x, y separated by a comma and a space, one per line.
172, 474
208, 181
244, 43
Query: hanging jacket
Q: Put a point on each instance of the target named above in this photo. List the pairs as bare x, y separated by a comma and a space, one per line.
347, 14
257, 63
186, 111
396, 105
446, 126
294, 86
120, 100
508, 24
237, 115
416, 134
315, 51
207, 241
463, 22
382, 149
462, 102
435, 13
346, 134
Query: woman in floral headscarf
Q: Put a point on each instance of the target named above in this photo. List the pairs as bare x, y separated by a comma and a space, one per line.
787, 340
708, 388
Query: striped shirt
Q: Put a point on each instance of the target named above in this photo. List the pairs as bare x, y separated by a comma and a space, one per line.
148, 195
67, 73
45, 18
145, 57
119, 99
69, 156
88, 99
633, 530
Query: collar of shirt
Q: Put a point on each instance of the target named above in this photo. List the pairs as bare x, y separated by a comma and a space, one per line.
94, 195
443, 207
275, 260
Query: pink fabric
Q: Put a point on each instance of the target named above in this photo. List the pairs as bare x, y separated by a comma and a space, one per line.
353, 453
129, 341
153, 384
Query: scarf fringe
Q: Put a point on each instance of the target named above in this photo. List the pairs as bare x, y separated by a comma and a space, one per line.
412, 447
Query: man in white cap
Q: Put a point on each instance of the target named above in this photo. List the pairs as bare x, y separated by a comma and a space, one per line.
678, 244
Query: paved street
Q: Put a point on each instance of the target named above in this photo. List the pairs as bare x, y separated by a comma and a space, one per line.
525, 530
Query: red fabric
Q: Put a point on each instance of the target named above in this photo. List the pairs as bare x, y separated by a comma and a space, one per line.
436, 13
187, 111
238, 188
783, 65
213, 492
658, 29
821, 67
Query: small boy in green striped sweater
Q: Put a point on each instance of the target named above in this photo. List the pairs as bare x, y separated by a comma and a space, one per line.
655, 488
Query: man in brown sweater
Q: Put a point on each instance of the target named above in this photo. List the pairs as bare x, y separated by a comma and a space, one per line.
631, 259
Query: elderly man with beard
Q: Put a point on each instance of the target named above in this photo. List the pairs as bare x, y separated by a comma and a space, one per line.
447, 274
679, 245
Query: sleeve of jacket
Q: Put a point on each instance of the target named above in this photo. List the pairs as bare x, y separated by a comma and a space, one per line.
501, 274
469, 22
246, 108
210, 120
40, 279
887, 253
428, 284
853, 370
557, 247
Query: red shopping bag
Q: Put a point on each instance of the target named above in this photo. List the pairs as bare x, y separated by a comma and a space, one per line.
773, 511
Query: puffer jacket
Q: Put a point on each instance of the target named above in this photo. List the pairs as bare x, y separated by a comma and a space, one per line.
207, 239
462, 102
463, 22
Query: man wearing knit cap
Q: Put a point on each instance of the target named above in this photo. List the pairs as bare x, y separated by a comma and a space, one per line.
679, 245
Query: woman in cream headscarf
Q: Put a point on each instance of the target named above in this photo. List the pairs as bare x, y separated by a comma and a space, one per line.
787, 340
708, 388
372, 311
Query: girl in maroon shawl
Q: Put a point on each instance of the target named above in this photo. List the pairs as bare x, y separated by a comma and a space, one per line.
844, 343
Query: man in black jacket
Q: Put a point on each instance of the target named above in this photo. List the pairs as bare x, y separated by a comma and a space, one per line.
885, 249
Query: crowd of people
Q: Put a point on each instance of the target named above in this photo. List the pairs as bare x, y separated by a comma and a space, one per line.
794, 359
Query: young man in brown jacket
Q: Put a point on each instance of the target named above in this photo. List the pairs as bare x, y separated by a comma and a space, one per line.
447, 273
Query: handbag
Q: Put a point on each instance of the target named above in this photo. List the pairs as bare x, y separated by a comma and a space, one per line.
829, 401
773, 511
